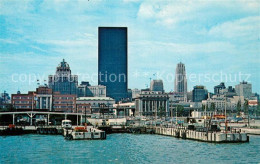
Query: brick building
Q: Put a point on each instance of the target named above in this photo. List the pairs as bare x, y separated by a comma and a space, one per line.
64, 102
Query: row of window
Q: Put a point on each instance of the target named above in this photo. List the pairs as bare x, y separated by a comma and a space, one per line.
21, 97
22, 102
64, 107
64, 98
22, 106
63, 102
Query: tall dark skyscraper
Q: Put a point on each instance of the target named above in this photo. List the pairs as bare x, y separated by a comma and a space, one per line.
112, 61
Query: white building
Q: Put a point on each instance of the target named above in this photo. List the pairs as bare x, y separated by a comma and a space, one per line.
150, 103
135, 93
125, 107
200, 114
96, 101
221, 102
98, 90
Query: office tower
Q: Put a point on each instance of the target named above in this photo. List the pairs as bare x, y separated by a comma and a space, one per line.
219, 87
63, 81
244, 89
112, 61
156, 85
199, 93
180, 83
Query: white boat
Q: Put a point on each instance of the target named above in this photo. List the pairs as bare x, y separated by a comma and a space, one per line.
66, 124
84, 133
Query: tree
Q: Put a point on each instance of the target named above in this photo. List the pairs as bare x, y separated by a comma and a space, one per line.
161, 111
238, 107
212, 107
246, 109
203, 107
180, 110
258, 109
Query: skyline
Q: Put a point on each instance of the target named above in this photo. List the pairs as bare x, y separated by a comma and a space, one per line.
162, 32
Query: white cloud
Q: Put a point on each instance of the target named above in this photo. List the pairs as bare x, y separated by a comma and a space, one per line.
38, 48
247, 28
172, 12
69, 43
188, 49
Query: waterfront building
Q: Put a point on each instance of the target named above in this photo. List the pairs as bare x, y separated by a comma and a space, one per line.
180, 82
64, 102
219, 87
82, 107
112, 61
188, 106
96, 102
202, 114
151, 103
177, 97
220, 102
23, 102
244, 89
124, 109
63, 81
43, 98
156, 85
199, 93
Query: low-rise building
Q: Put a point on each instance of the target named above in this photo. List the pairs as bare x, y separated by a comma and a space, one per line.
23, 101
96, 103
125, 109
64, 102
43, 98
151, 103
97, 91
82, 107
221, 102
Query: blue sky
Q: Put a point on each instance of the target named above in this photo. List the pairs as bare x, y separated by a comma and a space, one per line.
213, 39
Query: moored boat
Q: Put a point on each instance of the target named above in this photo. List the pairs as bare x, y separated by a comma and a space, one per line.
84, 133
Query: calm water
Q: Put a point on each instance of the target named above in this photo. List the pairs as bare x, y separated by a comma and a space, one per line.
124, 148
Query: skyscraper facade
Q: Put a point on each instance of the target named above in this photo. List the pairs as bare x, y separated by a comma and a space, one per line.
244, 89
199, 93
180, 82
112, 61
63, 81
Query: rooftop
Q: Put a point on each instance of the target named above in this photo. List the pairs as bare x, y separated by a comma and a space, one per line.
95, 98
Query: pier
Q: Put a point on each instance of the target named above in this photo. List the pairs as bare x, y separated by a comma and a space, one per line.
210, 136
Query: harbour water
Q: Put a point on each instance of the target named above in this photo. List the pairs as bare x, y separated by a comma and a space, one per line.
124, 148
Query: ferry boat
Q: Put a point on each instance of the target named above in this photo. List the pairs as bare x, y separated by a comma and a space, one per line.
84, 133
